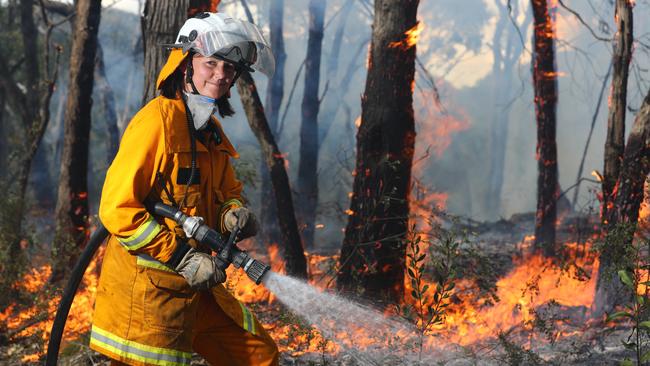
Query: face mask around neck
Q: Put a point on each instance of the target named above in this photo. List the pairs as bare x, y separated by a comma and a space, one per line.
201, 107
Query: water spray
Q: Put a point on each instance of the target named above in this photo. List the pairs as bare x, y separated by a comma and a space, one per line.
366, 334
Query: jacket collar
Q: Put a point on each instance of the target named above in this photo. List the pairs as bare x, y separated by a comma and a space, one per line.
179, 139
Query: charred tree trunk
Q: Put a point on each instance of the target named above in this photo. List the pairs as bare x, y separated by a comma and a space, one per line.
545, 85
32, 109
161, 22
107, 103
4, 139
624, 212
72, 198
615, 140
634, 170
373, 252
292, 249
275, 93
28, 99
308, 166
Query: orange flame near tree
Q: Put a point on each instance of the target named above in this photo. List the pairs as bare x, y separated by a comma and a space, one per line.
533, 283
410, 37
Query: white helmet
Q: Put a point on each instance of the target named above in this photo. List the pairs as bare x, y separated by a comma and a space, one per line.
236, 41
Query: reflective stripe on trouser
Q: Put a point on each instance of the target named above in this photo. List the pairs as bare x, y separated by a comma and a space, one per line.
145, 233
137, 351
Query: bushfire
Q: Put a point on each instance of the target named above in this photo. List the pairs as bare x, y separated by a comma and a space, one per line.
560, 291
534, 284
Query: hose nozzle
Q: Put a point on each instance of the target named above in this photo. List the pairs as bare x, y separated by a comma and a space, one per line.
254, 269
228, 252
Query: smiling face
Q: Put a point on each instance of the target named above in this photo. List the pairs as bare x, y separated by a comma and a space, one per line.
212, 77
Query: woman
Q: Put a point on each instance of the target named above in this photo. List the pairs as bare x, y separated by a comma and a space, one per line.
160, 295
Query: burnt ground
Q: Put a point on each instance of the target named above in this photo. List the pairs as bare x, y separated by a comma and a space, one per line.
589, 342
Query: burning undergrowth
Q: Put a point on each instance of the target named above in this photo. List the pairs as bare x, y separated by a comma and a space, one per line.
498, 302
529, 305
26, 324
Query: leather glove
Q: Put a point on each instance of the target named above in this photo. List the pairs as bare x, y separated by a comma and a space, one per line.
201, 270
242, 218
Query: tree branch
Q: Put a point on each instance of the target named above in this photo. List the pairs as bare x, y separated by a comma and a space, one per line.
575, 13
58, 7
432, 85
514, 23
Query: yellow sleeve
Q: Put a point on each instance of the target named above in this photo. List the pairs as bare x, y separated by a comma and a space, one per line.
128, 182
231, 188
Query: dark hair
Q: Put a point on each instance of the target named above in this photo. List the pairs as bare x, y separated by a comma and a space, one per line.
174, 85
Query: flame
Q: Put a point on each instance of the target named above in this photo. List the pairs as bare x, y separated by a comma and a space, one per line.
535, 281
27, 323
643, 230
435, 128
553, 74
596, 174
410, 37
277, 264
246, 290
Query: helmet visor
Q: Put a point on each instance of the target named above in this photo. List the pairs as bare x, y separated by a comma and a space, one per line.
222, 41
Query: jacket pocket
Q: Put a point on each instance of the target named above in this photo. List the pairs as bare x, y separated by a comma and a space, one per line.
191, 200
169, 302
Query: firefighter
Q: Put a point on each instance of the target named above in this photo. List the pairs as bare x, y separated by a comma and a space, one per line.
160, 295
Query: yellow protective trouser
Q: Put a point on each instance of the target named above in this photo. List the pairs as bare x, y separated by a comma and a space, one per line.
222, 342
146, 315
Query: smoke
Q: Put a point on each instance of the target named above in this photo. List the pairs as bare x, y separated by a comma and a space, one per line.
456, 48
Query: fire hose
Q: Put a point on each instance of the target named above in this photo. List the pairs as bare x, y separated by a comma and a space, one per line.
194, 228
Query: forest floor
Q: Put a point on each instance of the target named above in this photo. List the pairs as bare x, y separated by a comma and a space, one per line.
544, 332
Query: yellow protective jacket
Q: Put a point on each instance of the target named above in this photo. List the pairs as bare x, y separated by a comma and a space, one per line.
145, 313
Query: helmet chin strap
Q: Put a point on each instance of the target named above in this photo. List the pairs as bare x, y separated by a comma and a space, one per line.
189, 72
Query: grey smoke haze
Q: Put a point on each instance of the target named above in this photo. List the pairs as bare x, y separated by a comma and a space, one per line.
456, 46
